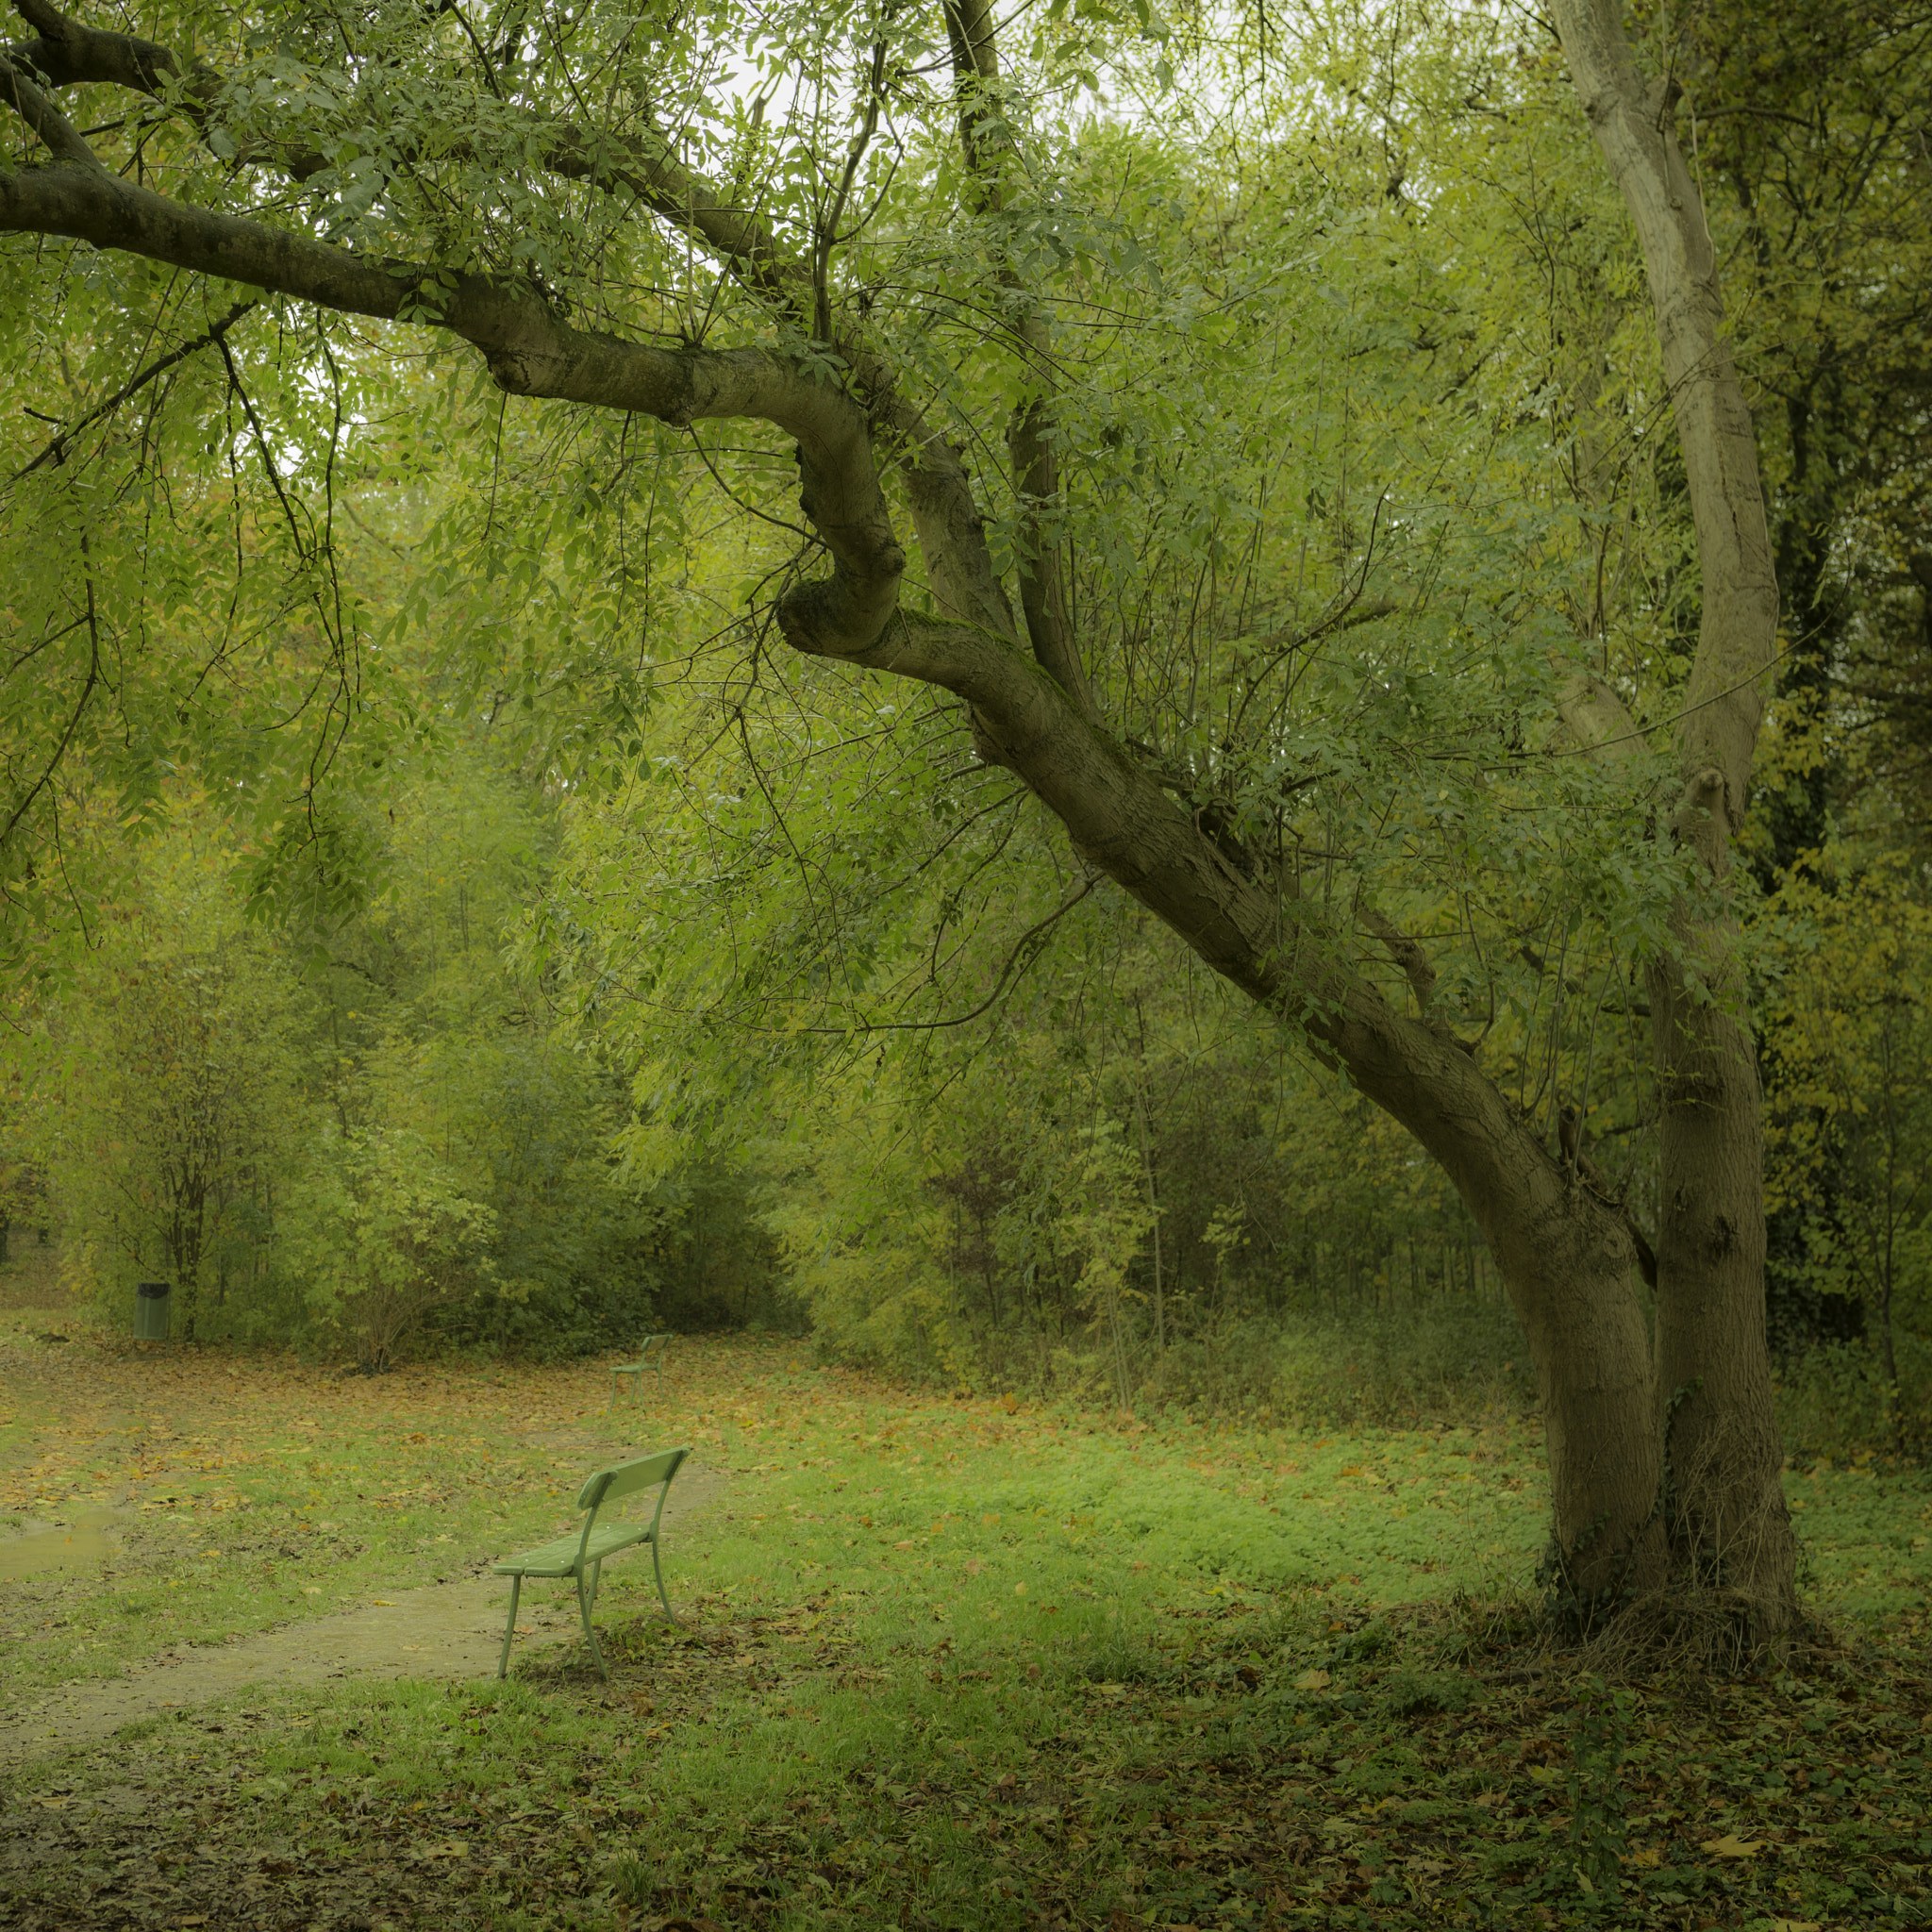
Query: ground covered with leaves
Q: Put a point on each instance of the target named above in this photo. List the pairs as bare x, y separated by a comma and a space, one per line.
954, 1664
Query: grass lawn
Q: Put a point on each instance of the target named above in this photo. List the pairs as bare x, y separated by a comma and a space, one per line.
944, 1663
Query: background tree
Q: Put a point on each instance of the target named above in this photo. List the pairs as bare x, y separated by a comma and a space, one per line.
379, 1235
1807, 125
185, 1090
1853, 1035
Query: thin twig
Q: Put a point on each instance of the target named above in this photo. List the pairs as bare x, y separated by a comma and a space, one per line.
56, 450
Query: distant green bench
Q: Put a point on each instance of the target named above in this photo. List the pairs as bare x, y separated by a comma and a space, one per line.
580, 1555
650, 1357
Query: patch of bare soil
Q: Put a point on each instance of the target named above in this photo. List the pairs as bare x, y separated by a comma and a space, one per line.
452, 1629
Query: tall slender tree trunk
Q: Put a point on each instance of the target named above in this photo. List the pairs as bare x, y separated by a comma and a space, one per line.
1153, 1213
1724, 1512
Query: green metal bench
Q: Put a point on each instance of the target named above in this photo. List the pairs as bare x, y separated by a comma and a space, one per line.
580, 1555
650, 1357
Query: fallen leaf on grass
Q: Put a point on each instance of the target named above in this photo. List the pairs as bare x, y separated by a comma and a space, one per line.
1312, 1680
1732, 1847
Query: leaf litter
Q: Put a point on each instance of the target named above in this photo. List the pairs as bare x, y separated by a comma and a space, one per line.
865, 1722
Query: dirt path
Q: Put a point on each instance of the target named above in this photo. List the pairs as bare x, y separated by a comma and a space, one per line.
447, 1630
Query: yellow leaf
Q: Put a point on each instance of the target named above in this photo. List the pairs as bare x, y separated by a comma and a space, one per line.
1794, 1925
1732, 1847
1312, 1680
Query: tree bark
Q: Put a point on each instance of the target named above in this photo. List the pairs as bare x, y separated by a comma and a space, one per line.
1726, 1517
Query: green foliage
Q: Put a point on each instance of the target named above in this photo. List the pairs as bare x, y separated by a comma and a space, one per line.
1849, 1032
807, 1013
343, 1134
378, 1234
1836, 1399
175, 1090
1598, 1835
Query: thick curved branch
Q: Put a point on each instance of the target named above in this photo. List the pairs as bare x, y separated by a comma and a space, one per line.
57, 133
1117, 816
1121, 822
529, 351
950, 529
69, 54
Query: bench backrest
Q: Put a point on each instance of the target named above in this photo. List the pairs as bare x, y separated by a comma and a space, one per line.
624, 1479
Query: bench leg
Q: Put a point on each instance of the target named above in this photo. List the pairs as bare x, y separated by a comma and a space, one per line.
659, 1573
509, 1629
589, 1629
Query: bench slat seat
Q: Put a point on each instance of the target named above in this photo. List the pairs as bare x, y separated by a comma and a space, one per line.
580, 1555
561, 1558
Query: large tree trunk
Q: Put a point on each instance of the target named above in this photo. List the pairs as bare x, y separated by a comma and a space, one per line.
1725, 1510
1570, 1263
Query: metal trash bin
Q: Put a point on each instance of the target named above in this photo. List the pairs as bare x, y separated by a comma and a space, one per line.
151, 1311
